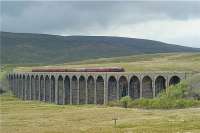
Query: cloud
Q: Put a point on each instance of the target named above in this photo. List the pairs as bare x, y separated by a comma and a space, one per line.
134, 19
171, 31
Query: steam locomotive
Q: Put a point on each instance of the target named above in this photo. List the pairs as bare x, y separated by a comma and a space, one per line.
100, 69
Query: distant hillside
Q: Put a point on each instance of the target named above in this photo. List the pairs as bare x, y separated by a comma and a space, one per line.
19, 48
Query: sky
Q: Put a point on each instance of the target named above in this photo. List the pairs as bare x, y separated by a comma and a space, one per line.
171, 22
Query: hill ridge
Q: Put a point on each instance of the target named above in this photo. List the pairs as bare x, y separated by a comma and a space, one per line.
23, 48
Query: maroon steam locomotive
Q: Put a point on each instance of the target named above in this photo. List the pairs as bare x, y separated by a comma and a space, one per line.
99, 69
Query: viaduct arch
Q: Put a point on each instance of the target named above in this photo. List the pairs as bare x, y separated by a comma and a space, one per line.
89, 87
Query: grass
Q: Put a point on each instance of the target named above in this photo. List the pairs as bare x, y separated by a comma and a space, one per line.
157, 103
33, 116
4, 69
146, 62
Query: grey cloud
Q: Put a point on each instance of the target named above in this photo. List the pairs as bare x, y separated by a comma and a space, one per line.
79, 17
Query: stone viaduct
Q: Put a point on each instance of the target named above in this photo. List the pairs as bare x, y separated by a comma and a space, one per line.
90, 87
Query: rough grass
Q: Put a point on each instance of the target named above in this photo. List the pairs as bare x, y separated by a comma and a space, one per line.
146, 62
158, 103
32, 116
4, 70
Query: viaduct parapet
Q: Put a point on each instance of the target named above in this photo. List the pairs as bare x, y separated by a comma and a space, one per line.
90, 87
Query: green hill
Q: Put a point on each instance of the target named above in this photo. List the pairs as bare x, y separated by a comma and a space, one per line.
23, 48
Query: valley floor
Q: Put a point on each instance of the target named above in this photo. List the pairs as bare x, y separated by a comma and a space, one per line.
19, 116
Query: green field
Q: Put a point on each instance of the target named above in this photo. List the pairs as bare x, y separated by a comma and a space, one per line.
19, 116
37, 117
148, 62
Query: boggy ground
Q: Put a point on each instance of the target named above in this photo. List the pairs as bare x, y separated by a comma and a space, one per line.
19, 116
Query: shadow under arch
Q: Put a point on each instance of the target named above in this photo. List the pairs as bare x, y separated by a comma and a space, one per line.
37, 87
53, 89
99, 90
134, 87
42, 88
123, 87
67, 89
47, 88
60, 90
112, 89
32, 87
74, 88
28, 89
147, 90
160, 84
90, 89
174, 80
20, 86
82, 90
24, 87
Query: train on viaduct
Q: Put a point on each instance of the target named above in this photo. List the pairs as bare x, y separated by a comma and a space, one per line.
90, 86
